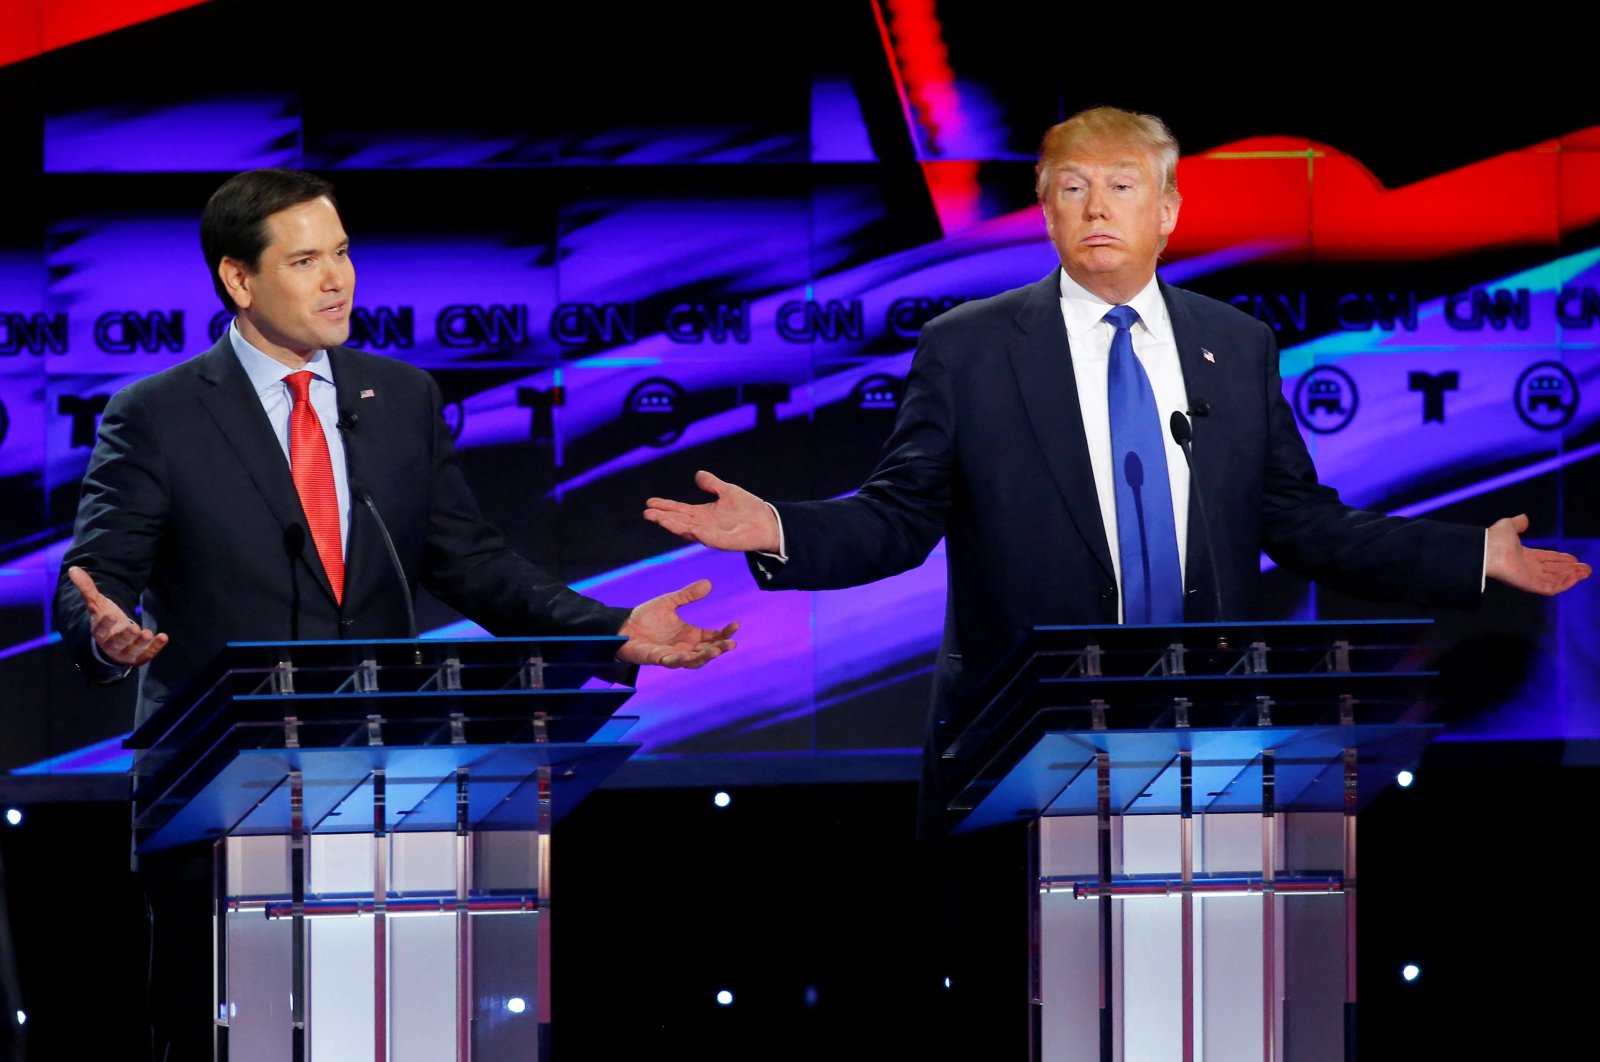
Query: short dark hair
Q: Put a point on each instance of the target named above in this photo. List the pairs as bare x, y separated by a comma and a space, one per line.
234, 224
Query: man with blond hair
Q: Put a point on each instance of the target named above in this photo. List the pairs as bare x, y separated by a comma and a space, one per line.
1033, 438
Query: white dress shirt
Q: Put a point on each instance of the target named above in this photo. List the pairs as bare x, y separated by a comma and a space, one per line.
267, 377
1157, 351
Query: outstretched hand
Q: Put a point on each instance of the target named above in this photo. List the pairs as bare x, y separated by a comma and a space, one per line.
119, 639
656, 634
737, 520
1538, 571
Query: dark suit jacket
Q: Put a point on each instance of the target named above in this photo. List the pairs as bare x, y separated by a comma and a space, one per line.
989, 451
188, 507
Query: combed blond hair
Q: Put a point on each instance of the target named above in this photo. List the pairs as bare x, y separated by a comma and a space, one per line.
1103, 127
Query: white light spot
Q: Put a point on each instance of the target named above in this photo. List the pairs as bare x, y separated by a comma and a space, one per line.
14, 816
722, 799
947, 982
516, 1004
1405, 778
1411, 971
22, 1017
725, 998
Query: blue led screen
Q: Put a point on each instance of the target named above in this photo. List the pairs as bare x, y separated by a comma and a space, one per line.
629, 251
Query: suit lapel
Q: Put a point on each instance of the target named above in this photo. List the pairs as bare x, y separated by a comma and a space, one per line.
350, 382
1199, 383
1041, 358
232, 404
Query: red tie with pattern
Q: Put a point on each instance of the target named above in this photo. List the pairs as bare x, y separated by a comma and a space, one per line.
313, 478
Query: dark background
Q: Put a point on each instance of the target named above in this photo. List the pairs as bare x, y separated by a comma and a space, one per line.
700, 156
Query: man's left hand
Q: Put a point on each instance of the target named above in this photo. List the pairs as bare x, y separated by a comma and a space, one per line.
1538, 571
656, 635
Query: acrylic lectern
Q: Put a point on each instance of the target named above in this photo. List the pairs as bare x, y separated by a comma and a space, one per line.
379, 815
1193, 792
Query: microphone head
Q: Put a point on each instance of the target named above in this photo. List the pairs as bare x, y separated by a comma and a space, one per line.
348, 420
1182, 433
1199, 408
1133, 470
294, 539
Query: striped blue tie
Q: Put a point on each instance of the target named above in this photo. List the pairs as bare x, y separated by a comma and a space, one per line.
1147, 539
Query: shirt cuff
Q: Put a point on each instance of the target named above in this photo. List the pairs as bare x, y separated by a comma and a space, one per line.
112, 674
782, 556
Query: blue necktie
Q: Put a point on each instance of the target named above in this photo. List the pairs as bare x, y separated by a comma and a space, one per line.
1147, 539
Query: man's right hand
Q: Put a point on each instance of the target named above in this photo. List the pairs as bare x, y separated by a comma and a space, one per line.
119, 639
737, 520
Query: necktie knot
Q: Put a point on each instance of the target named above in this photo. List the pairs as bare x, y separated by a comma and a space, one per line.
1122, 318
299, 385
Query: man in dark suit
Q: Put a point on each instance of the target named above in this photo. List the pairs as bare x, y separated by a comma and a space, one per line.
1014, 442
236, 497
194, 505
1007, 446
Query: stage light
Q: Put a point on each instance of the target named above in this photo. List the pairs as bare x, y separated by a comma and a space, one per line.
14, 816
947, 982
811, 995
1411, 971
1405, 778
725, 998
722, 799
22, 1017
516, 1004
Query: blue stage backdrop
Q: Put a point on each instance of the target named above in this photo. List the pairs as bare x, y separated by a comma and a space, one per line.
633, 247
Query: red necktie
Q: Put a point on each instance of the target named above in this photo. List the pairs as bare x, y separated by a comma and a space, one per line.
313, 478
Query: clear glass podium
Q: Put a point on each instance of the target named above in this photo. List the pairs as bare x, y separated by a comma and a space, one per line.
379, 816
1193, 792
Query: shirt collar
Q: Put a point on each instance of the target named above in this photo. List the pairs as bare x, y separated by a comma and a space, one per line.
1083, 309
266, 372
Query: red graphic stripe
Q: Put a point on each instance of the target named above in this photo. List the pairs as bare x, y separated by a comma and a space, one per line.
33, 27
920, 63
1299, 200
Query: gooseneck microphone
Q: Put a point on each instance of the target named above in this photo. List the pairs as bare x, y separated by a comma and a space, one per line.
1183, 435
394, 559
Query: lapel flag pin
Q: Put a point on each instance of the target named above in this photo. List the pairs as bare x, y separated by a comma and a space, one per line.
1212, 358
370, 393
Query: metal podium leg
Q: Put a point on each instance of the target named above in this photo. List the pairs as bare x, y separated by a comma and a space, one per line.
463, 921
1186, 827
545, 812
1035, 947
1350, 905
219, 949
1269, 907
300, 978
1102, 766
380, 927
